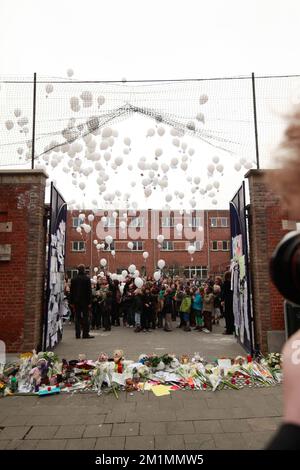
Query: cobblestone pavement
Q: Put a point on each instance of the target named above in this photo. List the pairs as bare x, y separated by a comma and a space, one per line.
227, 419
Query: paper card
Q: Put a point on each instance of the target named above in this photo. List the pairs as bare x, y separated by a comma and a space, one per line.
242, 267
224, 364
160, 390
147, 387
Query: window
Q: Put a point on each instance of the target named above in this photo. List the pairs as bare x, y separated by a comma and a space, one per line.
72, 273
111, 222
109, 247
167, 245
196, 222
198, 245
219, 222
78, 246
220, 245
167, 221
137, 222
76, 222
137, 246
214, 245
224, 221
225, 245
195, 271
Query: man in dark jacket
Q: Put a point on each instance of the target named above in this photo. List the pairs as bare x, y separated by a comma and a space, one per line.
81, 302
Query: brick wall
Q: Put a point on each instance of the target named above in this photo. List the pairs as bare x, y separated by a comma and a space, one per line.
265, 231
22, 196
217, 261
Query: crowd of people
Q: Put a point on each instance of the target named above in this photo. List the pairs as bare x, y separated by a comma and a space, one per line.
157, 304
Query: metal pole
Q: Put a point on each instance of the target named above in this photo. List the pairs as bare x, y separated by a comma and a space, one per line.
33, 122
255, 121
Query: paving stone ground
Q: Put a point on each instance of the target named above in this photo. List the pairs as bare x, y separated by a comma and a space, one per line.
200, 420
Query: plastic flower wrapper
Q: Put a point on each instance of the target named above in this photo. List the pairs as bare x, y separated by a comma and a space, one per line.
215, 379
23, 375
99, 375
143, 371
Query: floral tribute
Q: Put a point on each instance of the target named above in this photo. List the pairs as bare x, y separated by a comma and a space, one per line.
45, 374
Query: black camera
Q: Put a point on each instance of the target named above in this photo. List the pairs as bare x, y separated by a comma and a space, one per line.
285, 267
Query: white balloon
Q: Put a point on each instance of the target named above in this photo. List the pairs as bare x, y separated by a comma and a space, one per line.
95, 242
113, 253
161, 263
87, 228
17, 112
191, 126
191, 249
132, 268
197, 180
109, 239
118, 161
91, 217
127, 141
145, 254
179, 227
150, 132
104, 220
124, 273
203, 99
96, 270
154, 166
122, 225
220, 168
130, 245
191, 152
216, 184
139, 282
78, 229
237, 166
49, 88
126, 151
104, 145
184, 166
248, 165
101, 100
200, 117
98, 246
156, 275
158, 152
174, 162
165, 167
107, 132
103, 262
81, 216
147, 192
169, 197
176, 142
214, 201
70, 73
210, 168
82, 185
160, 238
9, 125
216, 159
136, 273
20, 150
161, 131
208, 187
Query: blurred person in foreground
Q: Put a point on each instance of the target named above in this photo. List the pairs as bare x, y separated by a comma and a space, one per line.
81, 302
286, 183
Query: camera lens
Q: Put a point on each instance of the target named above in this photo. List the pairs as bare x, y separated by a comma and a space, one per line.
285, 267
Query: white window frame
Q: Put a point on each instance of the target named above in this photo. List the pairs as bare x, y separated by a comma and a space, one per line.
138, 245
110, 247
227, 244
77, 223
111, 222
167, 222
136, 222
199, 271
226, 221
78, 242
196, 222
212, 245
169, 245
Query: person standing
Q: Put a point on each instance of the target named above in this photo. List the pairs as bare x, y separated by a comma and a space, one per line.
81, 302
208, 307
185, 308
197, 306
227, 301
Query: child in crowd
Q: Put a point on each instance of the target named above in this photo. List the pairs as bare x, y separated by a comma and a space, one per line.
208, 307
185, 308
197, 306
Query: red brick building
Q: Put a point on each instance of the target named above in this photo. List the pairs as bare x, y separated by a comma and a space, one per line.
212, 241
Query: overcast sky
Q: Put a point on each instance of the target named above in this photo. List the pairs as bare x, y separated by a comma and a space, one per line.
161, 39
